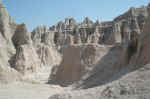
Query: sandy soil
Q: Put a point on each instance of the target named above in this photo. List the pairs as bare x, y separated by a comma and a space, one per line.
28, 91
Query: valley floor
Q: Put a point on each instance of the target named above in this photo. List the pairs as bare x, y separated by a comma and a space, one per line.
133, 85
28, 91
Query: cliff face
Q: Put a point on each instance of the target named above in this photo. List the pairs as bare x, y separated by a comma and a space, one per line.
122, 29
22, 56
120, 40
35, 53
141, 56
7, 28
105, 60
49, 46
132, 82
74, 51
76, 62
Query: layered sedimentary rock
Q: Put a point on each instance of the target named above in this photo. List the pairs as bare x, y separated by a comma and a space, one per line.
22, 36
7, 24
26, 59
24, 53
141, 54
134, 85
48, 55
132, 82
42, 34
43, 41
77, 61
130, 24
7, 28
35, 52
122, 29
87, 62
78, 46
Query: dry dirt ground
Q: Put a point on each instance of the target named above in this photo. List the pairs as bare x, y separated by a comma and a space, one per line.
133, 85
28, 91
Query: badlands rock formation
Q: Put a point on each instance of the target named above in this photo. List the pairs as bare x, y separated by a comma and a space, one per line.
77, 61
120, 40
132, 83
99, 60
7, 50
22, 54
121, 29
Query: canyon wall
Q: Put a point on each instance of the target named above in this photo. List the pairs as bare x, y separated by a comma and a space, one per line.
68, 51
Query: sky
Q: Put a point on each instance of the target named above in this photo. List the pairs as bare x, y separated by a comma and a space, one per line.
49, 12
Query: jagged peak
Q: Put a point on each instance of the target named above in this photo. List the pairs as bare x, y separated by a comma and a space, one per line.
69, 21
41, 29
23, 25
97, 23
87, 21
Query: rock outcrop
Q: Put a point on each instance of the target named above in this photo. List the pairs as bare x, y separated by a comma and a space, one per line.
141, 52
7, 28
43, 41
25, 54
134, 85
82, 59
88, 61
34, 52
110, 58
22, 36
130, 24
131, 82
26, 59
72, 37
42, 34
121, 30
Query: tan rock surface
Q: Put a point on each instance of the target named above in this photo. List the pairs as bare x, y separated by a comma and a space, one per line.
77, 61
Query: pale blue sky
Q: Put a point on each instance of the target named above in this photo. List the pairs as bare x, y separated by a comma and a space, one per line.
49, 12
